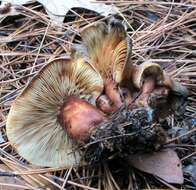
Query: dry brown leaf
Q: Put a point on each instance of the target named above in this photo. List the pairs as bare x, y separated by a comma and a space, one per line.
58, 9
164, 164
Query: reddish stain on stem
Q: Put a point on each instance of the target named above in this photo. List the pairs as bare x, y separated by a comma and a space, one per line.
112, 91
104, 103
147, 88
79, 117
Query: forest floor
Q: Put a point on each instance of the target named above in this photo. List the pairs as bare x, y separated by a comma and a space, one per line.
162, 31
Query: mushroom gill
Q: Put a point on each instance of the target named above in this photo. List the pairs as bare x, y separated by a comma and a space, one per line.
34, 124
109, 49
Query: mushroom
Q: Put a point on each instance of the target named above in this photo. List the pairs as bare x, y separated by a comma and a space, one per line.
109, 49
55, 112
145, 77
155, 84
147, 69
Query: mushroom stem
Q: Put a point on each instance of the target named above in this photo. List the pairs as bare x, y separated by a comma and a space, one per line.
147, 88
105, 105
112, 91
79, 117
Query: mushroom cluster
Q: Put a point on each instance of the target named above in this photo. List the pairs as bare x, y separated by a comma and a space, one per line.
69, 99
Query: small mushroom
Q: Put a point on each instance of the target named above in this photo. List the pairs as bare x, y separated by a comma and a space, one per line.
147, 69
109, 49
155, 85
54, 112
161, 78
145, 77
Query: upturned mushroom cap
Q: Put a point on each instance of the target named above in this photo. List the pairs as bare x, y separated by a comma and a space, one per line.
145, 70
33, 125
108, 48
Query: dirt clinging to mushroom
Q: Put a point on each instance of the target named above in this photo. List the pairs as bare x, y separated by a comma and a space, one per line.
130, 130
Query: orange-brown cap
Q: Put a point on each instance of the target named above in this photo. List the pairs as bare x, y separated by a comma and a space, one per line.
108, 47
145, 70
33, 125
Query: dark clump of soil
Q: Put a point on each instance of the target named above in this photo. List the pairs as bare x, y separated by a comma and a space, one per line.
125, 128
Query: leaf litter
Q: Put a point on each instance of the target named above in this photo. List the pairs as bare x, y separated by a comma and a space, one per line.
57, 10
163, 32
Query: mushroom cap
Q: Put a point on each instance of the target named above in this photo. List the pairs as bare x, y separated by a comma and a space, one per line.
33, 125
108, 48
145, 70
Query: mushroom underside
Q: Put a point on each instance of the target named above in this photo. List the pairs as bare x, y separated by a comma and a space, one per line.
56, 114
33, 126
